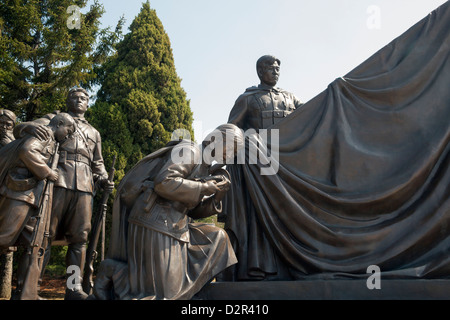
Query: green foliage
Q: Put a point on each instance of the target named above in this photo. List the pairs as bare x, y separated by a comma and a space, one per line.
56, 266
41, 58
140, 101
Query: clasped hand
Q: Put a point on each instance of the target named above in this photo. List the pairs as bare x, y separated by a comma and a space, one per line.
107, 185
213, 187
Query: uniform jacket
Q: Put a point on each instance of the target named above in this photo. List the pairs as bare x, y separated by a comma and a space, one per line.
159, 195
261, 106
25, 164
171, 194
81, 160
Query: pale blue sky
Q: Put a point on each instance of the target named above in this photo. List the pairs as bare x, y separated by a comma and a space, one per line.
216, 43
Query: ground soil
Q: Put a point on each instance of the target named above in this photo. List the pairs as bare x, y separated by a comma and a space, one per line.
51, 288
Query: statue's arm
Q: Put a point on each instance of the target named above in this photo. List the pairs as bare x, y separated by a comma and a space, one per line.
98, 164
30, 155
37, 128
171, 184
172, 180
297, 102
238, 114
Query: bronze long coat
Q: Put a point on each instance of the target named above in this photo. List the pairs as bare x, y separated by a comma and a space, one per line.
156, 251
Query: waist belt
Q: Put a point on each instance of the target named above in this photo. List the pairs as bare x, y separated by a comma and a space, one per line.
178, 206
271, 117
63, 156
275, 113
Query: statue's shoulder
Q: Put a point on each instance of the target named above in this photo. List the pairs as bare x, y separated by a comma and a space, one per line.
186, 144
249, 92
252, 90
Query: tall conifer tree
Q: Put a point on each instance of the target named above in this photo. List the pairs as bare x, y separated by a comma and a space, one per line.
140, 101
46, 47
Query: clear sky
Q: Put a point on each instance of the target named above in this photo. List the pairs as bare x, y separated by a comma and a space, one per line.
216, 43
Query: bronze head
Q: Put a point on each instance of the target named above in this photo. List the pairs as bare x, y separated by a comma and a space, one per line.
268, 69
77, 101
7, 123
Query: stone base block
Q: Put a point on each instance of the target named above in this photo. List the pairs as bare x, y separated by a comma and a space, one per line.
328, 290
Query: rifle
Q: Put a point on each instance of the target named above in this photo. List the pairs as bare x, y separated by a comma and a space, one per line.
40, 239
98, 225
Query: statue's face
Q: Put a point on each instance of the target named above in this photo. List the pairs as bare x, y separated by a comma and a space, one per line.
270, 74
6, 125
62, 132
78, 102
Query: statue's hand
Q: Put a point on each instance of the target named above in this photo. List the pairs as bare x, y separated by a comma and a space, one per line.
107, 185
39, 131
53, 176
209, 188
224, 185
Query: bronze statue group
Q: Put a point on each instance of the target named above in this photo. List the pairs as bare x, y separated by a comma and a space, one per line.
363, 180
347, 194
49, 167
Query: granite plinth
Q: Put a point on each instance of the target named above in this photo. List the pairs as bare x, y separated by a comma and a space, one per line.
327, 290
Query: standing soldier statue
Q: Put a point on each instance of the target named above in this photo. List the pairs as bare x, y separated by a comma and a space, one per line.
259, 107
26, 178
80, 167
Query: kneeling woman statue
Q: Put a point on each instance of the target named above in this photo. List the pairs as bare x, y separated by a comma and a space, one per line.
156, 250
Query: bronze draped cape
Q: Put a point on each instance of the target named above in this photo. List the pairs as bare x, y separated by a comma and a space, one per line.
364, 174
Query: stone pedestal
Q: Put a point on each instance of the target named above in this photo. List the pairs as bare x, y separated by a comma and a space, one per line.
328, 290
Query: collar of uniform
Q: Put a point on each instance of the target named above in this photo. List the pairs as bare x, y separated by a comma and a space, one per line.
77, 118
268, 88
81, 119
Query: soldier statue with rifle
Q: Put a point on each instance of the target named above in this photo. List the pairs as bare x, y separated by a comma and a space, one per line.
80, 167
26, 185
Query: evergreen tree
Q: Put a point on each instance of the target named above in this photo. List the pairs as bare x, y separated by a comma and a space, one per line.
46, 47
140, 101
